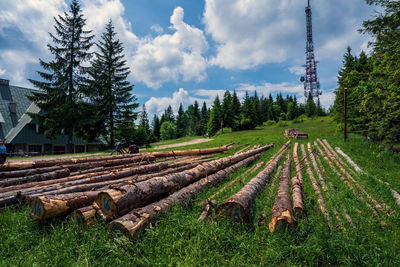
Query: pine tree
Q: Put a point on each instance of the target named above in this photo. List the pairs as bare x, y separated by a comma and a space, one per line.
181, 122
214, 122
311, 108
156, 127
227, 110
143, 134
248, 114
62, 78
168, 115
108, 88
204, 116
236, 109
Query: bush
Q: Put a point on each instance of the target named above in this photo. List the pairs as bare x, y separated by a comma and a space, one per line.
168, 130
282, 124
298, 120
225, 130
269, 123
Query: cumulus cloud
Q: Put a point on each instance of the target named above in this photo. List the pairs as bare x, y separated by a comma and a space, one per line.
254, 32
169, 57
157, 29
297, 70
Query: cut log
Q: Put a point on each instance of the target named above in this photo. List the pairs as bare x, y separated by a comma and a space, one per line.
333, 152
36, 177
237, 207
118, 201
380, 207
28, 172
282, 211
85, 215
138, 219
352, 163
297, 183
318, 171
45, 207
209, 202
314, 183
262, 216
191, 152
340, 175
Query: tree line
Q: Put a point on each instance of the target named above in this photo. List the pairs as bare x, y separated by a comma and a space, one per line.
83, 93
230, 113
373, 81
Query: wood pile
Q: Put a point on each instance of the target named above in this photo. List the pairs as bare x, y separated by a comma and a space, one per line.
295, 133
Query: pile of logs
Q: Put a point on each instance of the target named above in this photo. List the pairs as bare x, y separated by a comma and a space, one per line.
295, 133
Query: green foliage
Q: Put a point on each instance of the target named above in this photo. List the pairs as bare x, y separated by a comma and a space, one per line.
214, 122
168, 130
269, 123
62, 79
248, 114
168, 115
181, 122
311, 108
156, 127
282, 123
204, 117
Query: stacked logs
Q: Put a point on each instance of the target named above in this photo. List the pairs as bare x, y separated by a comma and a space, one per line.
25, 180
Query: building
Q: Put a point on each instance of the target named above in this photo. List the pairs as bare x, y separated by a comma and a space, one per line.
22, 134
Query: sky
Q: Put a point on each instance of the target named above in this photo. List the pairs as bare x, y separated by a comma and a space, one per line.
180, 51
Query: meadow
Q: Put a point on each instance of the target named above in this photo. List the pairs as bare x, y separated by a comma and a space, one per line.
177, 239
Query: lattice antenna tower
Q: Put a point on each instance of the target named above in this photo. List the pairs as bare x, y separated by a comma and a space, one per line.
311, 83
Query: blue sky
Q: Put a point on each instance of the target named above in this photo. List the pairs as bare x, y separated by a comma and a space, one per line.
180, 51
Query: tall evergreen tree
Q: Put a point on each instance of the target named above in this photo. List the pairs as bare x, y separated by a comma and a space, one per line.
248, 114
214, 122
108, 87
168, 115
227, 110
156, 127
204, 116
311, 108
63, 77
181, 122
236, 109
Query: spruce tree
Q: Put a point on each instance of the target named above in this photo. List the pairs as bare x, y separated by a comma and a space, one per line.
204, 116
214, 122
143, 134
227, 110
156, 127
108, 87
236, 109
248, 114
63, 77
311, 108
168, 115
181, 122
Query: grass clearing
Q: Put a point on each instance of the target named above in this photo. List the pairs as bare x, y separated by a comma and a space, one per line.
177, 238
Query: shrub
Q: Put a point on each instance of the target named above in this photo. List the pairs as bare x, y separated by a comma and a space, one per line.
269, 123
168, 130
282, 124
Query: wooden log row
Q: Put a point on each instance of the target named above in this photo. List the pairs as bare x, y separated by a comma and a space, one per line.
60, 173
378, 206
47, 208
237, 207
209, 202
317, 170
282, 210
395, 194
297, 183
120, 200
333, 152
27, 172
317, 191
341, 177
137, 219
11, 166
262, 215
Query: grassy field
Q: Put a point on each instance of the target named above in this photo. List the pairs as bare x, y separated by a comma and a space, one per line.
177, 238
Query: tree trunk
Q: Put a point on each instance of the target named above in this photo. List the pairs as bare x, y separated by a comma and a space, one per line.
45, 207
28, 172
297, 183
314, 183
282, 211
118, 201
138, 219
85, 215
238, 206
36, 177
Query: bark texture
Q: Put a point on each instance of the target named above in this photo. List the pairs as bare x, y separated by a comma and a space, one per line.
60, 173
297, 183
138, 219
238, 206
282, 211
120, 200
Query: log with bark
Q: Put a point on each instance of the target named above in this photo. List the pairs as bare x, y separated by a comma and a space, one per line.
339, 159
28, 172
395, 195
316, 168
297, 183
45, 207
209, 203
379, 207
282, 210
262, 218
238, 206
314, 183
138, 219
60, 173
120, 200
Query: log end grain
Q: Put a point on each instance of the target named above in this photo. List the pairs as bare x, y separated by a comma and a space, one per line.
106, 204
128, 228
84, 216
281, 222
233, 210
37, 211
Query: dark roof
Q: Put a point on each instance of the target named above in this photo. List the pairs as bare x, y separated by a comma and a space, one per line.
17, 127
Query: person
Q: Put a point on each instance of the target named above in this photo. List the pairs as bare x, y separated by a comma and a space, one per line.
133, 148
118, 148
3, 152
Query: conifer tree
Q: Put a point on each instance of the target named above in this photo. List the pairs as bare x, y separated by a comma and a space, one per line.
108, 87
156, 127
62, 78
181, 122
214, 122
227, 110
236, 109
204, 116
248, 114
311, 108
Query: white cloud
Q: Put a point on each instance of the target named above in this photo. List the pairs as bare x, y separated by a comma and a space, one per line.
297, 70
157, 28
250, 33
16, 61
2, 71
170, 57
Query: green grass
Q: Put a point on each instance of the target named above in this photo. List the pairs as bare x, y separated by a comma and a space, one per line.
175, 141
177, 238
